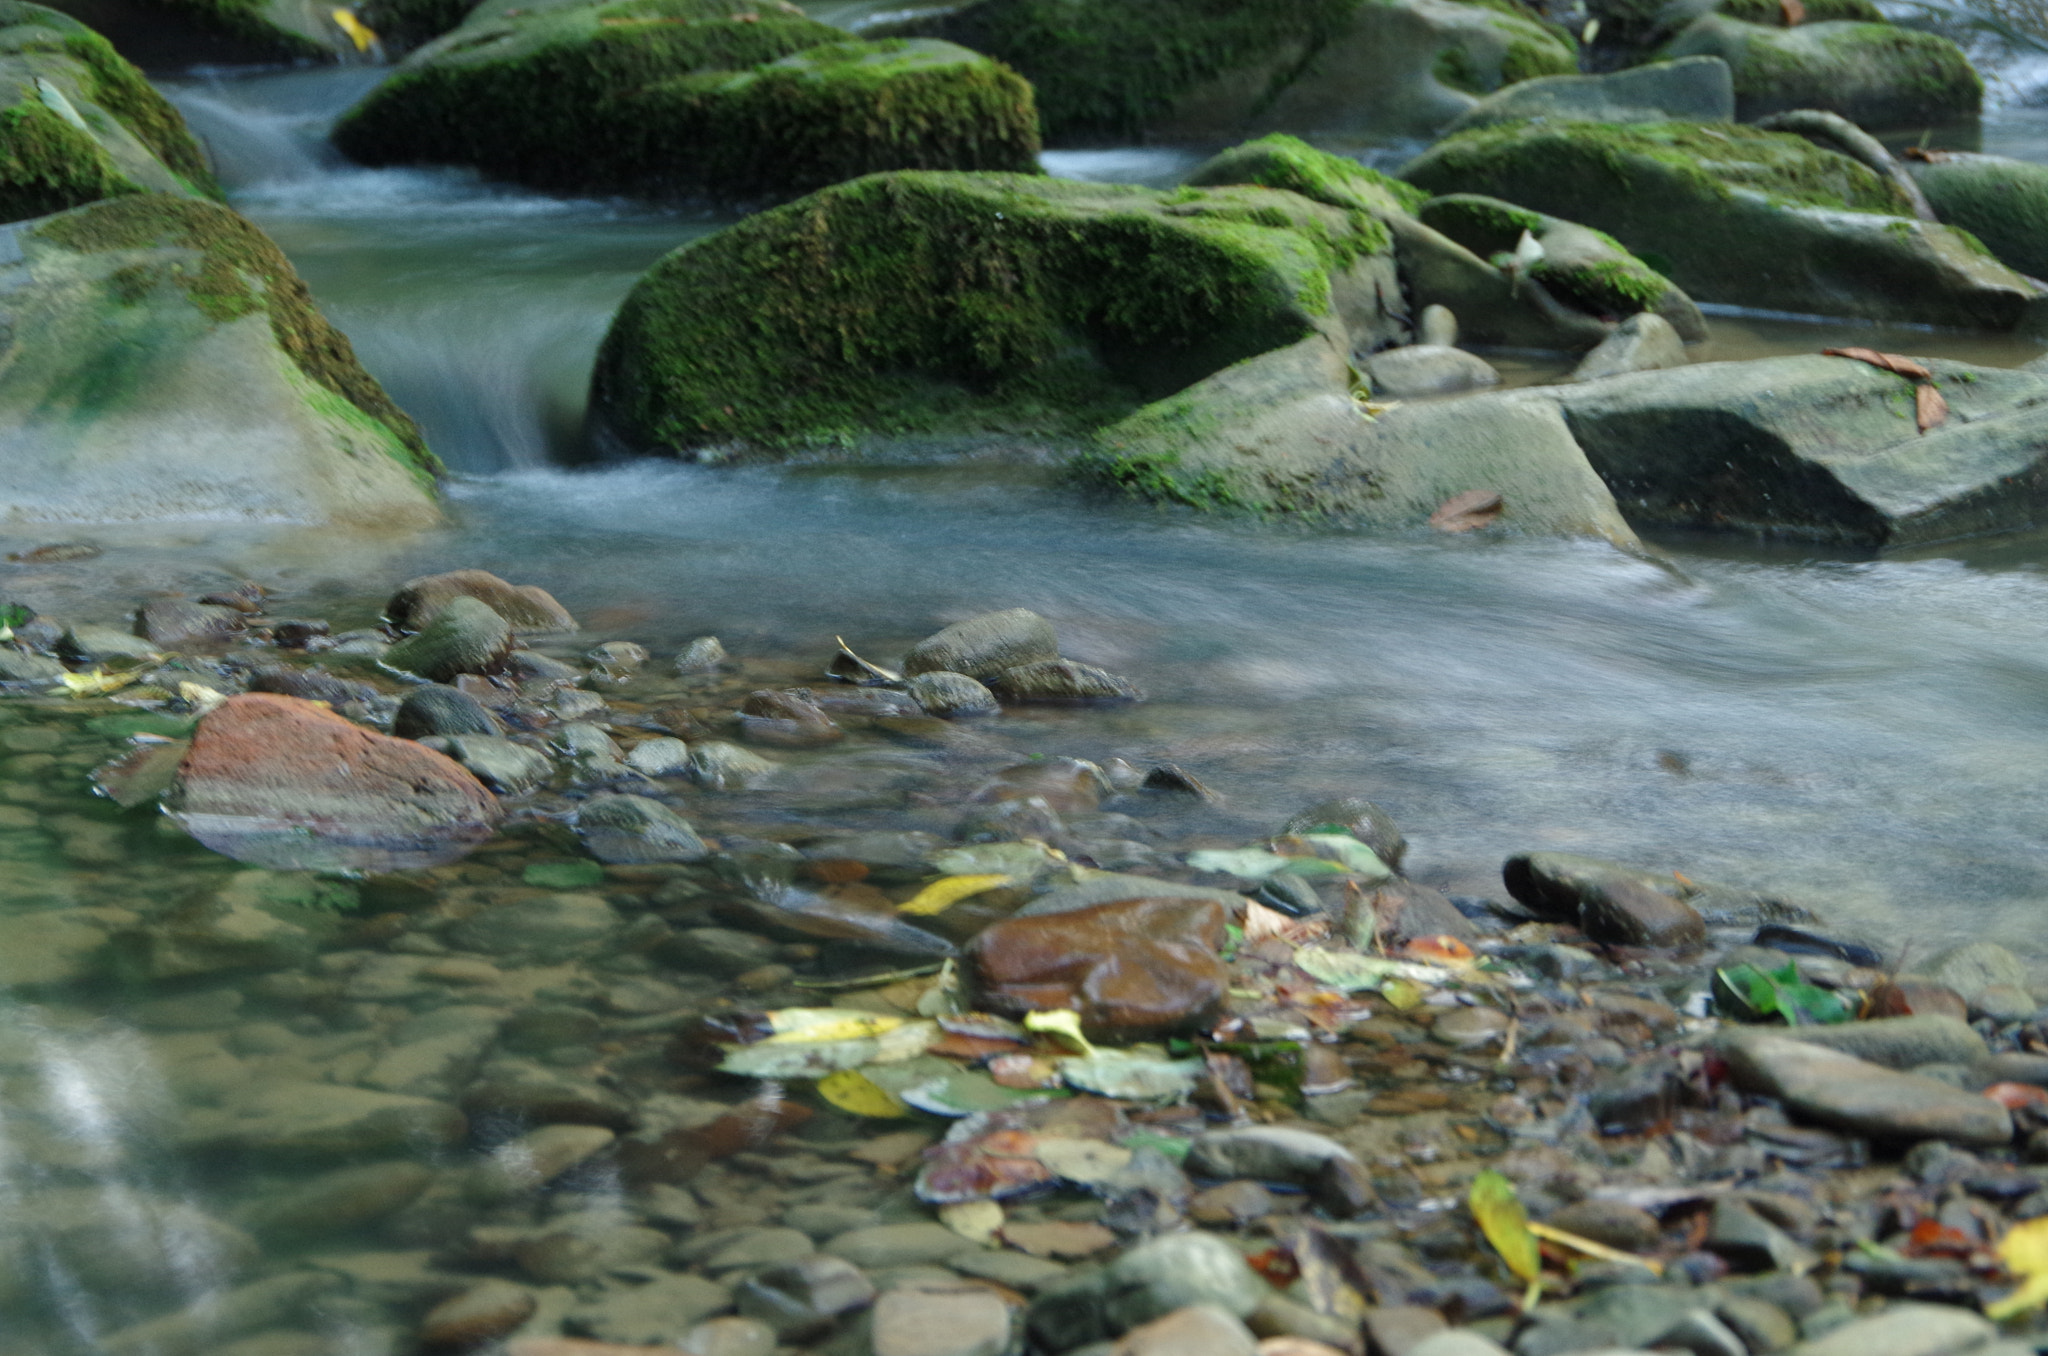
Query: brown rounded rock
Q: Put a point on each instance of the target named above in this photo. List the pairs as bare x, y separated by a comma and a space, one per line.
1134, 970
484, 1311
286, 784
528, 609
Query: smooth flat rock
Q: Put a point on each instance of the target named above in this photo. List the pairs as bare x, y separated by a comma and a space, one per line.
1847, 1093
1691, 89
1894, 1042
1905, 1330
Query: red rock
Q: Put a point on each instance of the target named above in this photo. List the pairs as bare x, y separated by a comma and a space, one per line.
287, 784
1135, 969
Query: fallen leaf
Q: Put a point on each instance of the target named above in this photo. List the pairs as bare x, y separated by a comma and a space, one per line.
828, 1024
1932, 1238
1930, 407
1059, 1238
975, 1221
1131, 1075
1506, 1225
1024, 1071
2017, 1096
1442, 949
1464, 512
1353, 970
1064, 1023
358, 33
1405, 994
141, 775
1889, 362
943, 894
1792, 12
98, 683
851, 1090
1083, 1160
1591, 1249
1260, 921
2024, 1250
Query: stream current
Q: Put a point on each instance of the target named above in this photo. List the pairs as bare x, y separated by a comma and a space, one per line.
1866, 737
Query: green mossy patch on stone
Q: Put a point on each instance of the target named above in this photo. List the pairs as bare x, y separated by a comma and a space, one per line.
548, 98
1618, 286
47, 165
1113, 67
118, 87
1874, 74
833, 113
1591, 161
952, 303
1289, 163
240, 272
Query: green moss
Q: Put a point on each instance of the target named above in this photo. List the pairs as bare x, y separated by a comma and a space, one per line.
1453, 68
1160, 479
1581, 162
549, 99
47, 165
240, 272
1526, 60
923, 302
118, 87
1817, 11
1616, 286
1874, 74
1285, 162
837, 112
1112, 68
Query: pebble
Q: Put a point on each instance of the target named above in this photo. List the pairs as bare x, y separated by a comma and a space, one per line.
1175, 1270
1196, 1330
729, 1337
882, 1246
487, 1310
658, 1312
967, 1320
746, 1248
1469, 1027
1904, 1330
802, 1298
1847, 1093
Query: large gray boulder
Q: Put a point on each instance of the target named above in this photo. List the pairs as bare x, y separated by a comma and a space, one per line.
2002, 202
1737, 215
1819, 448
159, 359
1690, 89
1876, 75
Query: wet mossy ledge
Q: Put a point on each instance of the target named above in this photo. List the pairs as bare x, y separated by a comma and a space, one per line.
78, 123
1227, 68
965, 304
687, 98
165, 362
1739, 215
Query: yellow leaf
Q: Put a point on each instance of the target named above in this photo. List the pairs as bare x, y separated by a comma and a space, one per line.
1402, 993
95, 684
943, 894
827, 1024
1506, 1225
1062, 1022
358, 33
199, 697
852, 1090
2024, 1250
1592, 1249
976, 1221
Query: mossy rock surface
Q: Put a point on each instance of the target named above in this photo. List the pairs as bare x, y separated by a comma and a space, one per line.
176, 34
934, 303
79, 124
405, 24
1874, 74
1737, 215
162, 360
1227, 68
2002, 202
686, 97
1772, 12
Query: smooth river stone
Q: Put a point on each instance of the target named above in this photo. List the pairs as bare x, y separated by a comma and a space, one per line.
1134, 970
527, 608
289, 785
1847, 1093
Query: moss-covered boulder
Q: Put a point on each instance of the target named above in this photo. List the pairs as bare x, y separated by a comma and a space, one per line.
1585, 269
1874, 74
1230, 68
2002, 202
78, 123
1280, 433
961, 304
159, 359
1631, 30
1688, 89
1493, 305
176, 34
404, 24
1741, 216
1817, 448
683, 97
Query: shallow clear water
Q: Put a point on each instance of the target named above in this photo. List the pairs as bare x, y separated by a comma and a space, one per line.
1869, 738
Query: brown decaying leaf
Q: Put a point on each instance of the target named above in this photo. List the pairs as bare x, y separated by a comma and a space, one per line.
1464, 512
1929, 407
1889, 362
1792, 12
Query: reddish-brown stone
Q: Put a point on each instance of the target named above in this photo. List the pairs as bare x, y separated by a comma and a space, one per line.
527, 607
1134, 969
286, 783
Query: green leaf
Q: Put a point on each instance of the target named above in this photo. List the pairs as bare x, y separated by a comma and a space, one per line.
1505, 1224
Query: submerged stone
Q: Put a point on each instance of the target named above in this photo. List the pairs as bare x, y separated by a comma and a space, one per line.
1133, 970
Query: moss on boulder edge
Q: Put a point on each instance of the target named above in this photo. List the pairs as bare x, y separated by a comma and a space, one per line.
78, 123
1227, 68
175, 34
974, 303
1874, 74
683, 97
1737, 215
241, 272
2002, 202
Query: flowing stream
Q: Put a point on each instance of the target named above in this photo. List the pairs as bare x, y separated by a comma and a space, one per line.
1866, 737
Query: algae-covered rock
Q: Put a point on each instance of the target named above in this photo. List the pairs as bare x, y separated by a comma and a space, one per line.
1282, 433
1689, 89
1491, 305
1874, 74
1225, 68
1737, 215
1819, 448
1582, 268
964, 304
78, 123
162, 360
2002, 202
668, 97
